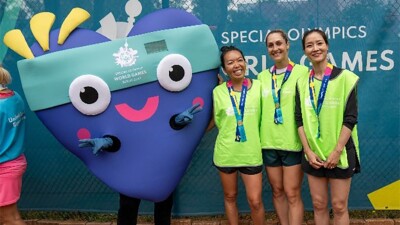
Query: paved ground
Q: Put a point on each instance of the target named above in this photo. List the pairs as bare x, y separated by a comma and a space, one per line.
216, 222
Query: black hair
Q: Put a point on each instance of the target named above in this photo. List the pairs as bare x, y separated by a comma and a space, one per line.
226, 49
320, 32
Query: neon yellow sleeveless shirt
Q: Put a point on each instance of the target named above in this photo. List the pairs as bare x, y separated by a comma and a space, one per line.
228, 152
331, 115
280, 136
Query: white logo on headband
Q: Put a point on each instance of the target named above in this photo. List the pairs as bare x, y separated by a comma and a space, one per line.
125, 56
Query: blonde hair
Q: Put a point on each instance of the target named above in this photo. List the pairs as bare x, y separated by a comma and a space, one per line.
5, 77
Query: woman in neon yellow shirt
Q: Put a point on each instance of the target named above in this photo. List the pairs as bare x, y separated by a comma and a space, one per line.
282, 149
326, 115
237, 111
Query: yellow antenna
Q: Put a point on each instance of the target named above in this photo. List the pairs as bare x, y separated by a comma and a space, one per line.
41, 24
76, 17
15, 40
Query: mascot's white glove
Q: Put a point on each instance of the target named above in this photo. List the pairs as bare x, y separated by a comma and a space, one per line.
97, 144
186, 117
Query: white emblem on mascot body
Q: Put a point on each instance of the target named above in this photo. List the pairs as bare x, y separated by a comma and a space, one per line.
125, 56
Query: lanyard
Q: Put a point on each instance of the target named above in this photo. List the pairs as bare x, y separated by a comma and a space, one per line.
317, 104
238, 109
276, 92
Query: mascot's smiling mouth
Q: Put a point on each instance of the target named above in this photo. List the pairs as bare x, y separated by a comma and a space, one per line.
143, 114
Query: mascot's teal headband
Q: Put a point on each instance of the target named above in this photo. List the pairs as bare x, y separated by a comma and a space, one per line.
46, 78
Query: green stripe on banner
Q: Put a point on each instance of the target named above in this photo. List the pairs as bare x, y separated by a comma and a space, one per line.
46, 79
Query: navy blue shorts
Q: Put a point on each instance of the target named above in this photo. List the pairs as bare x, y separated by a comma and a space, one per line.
337, 173
276, 158
249, 170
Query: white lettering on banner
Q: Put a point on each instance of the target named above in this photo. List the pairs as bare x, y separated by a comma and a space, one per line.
252, 62
252, 36
370, 55
352, 64
294, 34
371, 61
368, 61
351, 32
357, 63
388, 60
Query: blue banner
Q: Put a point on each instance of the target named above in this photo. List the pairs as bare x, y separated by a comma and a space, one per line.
364, 37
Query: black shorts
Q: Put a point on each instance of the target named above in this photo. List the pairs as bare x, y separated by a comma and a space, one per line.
338, 173
249, 170
275, 158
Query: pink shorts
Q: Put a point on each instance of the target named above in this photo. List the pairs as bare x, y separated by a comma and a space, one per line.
11, 180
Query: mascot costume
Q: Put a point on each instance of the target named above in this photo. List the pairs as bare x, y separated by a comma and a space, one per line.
125, 107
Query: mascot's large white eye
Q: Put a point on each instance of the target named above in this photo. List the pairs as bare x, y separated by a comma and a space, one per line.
174, 72
89, 94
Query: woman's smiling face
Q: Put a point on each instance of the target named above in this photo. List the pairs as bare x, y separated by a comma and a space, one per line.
234, 65
315, 47
277, 47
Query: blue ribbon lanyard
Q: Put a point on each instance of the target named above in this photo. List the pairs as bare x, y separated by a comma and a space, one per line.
276, 92
238, 109
317, 105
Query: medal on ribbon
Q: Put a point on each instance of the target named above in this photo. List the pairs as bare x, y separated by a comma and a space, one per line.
238, 108
317, 103
276, 92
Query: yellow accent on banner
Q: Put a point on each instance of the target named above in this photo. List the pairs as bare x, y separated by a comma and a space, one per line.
75, 18
15, 40
386, 198
41, 24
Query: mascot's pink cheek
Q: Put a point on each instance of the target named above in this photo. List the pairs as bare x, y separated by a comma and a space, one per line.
83, 133
198, 100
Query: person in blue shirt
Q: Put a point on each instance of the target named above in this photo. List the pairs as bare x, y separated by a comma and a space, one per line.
12, 159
